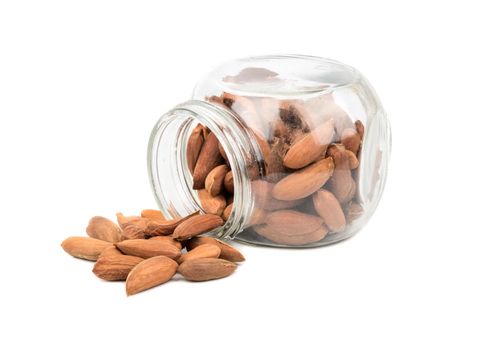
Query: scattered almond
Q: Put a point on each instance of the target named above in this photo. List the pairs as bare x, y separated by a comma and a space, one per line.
85, 247
197, 225
202, 251
103, 229
206, 269
115, 267
228, 252
153, 214
145, 248
150, 273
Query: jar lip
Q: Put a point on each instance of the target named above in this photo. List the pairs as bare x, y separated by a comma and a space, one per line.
238, 145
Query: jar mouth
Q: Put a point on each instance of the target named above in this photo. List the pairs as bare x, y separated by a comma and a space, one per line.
168, 172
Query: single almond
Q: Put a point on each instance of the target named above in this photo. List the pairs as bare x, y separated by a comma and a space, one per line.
115, 267
215, 180
103, 229
292, 222
206, 269
169, 240
124, 221
150, 273
85, 247
310, 147
136, 229
351, 139
341, 183
329, 209
197, 225
274, 162
208, 159
302, 239
145, 248
304, 182
152, 214
202, 251
194, 146
164, 227
229, 182
227, 252
110, 251
227, 212
212, 205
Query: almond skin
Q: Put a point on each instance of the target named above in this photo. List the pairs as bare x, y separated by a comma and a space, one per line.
150, 273
227, 212
202, 251
208, 159
227, 251
212, 205
351, 139
85, 247
145, 248
194, 146
206, 269
277, 237
310, 147
292, 222
168, 239
214, 182
110, 251
229, 182
197, 225
152, 214
164, 227
341, 183
304, 182
115, 267
129, 220
329, 209
103, 229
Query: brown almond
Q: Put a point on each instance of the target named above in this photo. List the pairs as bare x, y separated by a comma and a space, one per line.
277, 237
341, 183
115, 267
215, 180
152, 214
197, 225
352, 160
150, 273
194, 146
136, 229
360, 128
353, 211
85, 247
229, 182
110, 251
208, 159
169, 240
292, 222
304, 182
212, 205
146, 248
275, 167
310, 147
206, 269
202, 251
227, 252
164, 227
124, 221
103, 229
329, 209
257, 216
351, 139
227, 212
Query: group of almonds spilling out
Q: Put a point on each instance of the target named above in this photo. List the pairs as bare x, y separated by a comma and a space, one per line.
306, 187
148, 250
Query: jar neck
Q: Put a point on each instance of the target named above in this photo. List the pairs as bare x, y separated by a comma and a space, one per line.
169, 175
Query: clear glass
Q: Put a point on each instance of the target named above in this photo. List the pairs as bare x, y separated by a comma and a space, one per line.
305, 139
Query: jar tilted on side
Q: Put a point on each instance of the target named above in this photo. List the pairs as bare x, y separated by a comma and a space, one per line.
291, 151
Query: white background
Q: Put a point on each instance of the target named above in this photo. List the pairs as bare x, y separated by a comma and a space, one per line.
81, 85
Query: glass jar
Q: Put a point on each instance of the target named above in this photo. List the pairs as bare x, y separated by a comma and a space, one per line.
291, 150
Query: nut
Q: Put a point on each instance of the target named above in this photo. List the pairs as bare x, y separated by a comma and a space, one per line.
103, 229
196, 225
115, 267
146, 248
206, 269
85, 247
150, 273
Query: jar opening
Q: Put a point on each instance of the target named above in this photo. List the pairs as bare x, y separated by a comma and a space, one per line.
169, 175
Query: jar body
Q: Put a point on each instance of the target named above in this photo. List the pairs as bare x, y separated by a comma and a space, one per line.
304, 141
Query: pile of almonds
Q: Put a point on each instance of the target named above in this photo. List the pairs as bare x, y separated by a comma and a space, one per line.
148, 250
305, 190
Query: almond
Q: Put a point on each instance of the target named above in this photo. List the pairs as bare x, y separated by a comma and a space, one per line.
227, 251
169, 240
215, 180
351, 139
360, 128
292, 222
257, 217
150, 273
304, 182
103, 229
197, 225
263, 145
115, 267
229, 182
275, 167
129, 220
110, 251
353, 211
202, 251
212, 205
310, 147
164, 227
85, 247
329, 209
341, 183
302, 239
194, 146
227, 212
148, 248
152, 214
208, 159
206, 269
